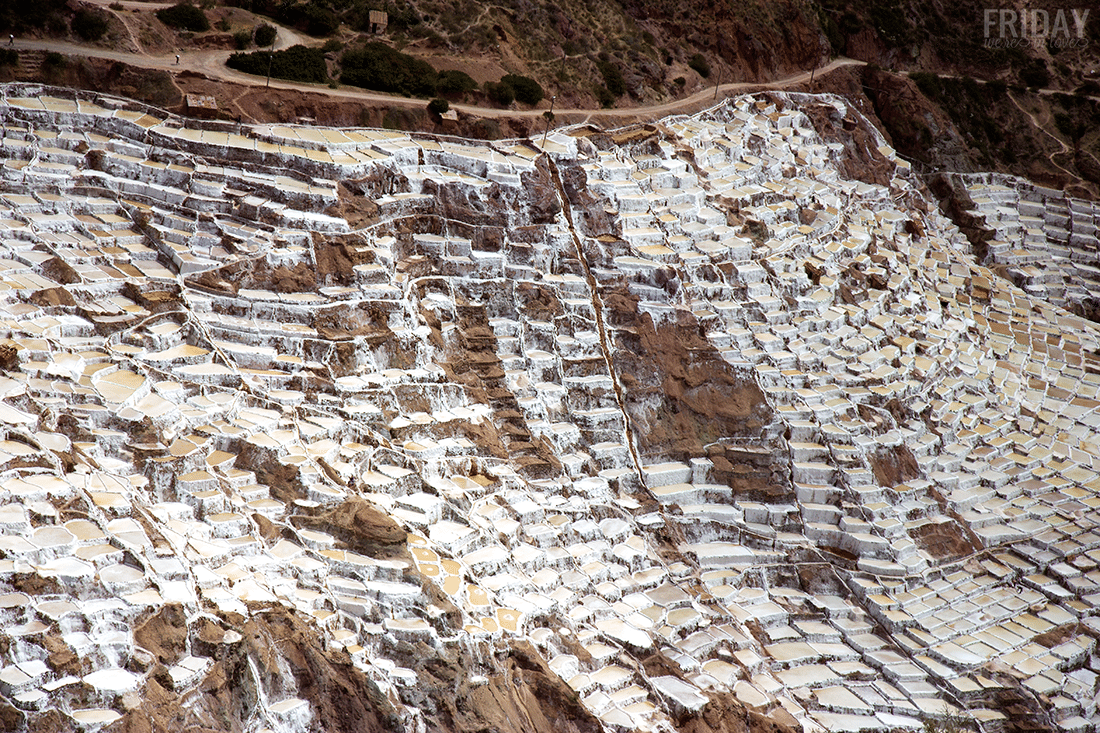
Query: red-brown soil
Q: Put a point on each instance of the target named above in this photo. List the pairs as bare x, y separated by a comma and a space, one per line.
680, 394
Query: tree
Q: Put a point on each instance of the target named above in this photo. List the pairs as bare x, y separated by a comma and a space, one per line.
377, 66
612, 76
699, 63
297, 63
500, 93
525, 89
455, 82
184, 16
89, 25
265, 35
438, 107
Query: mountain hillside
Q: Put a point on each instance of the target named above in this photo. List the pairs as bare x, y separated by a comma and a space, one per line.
710, 424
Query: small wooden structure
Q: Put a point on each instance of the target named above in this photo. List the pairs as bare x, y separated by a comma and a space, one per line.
379, 19
200, 105
450, 121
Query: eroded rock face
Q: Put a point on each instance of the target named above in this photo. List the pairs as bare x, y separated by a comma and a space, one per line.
708, 425
680, 394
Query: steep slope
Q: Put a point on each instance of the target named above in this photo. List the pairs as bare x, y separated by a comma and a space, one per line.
710, 424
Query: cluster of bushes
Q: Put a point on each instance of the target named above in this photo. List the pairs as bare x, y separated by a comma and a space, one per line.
1076, 116
265, 35
262, 35
513, 87
53, 64
89, 24
379, 67
612, 76
929, 84
1035, 74
321, 18
454, 83
19, 16
971, 107
184, 16
953, 31
698, 62
9, 57
297, 63
309, 17
499, 93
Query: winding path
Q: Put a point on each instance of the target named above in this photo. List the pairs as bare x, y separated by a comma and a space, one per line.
211, 63
1065, 148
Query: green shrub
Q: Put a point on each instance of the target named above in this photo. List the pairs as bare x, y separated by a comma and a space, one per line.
929, 84
605, 98
892, 25
699, 63
243, 39
850, 24
116, 6
612, 77
332, 45
89, 24
379, 67
832, 31
22, 15
223, 25
317, 21
455, 83
501, 93
297, 63
1035, 74
439, 106
53, 63
402, 16
265, 35
525, 89
184, 16
9, 57
680, 81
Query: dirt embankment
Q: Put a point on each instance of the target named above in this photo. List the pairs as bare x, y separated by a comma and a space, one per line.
362, 528
471, 360
519, 695
679, 392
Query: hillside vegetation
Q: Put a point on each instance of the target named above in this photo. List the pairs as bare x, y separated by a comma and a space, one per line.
626, 53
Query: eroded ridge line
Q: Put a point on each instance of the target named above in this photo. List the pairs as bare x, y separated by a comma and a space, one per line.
597, 306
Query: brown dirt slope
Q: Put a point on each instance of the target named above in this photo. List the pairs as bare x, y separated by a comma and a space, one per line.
680, 393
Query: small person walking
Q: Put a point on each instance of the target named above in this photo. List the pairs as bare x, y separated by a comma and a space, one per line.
177, 59
11, 39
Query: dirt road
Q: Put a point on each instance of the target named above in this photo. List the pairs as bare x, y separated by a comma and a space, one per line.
211, 63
